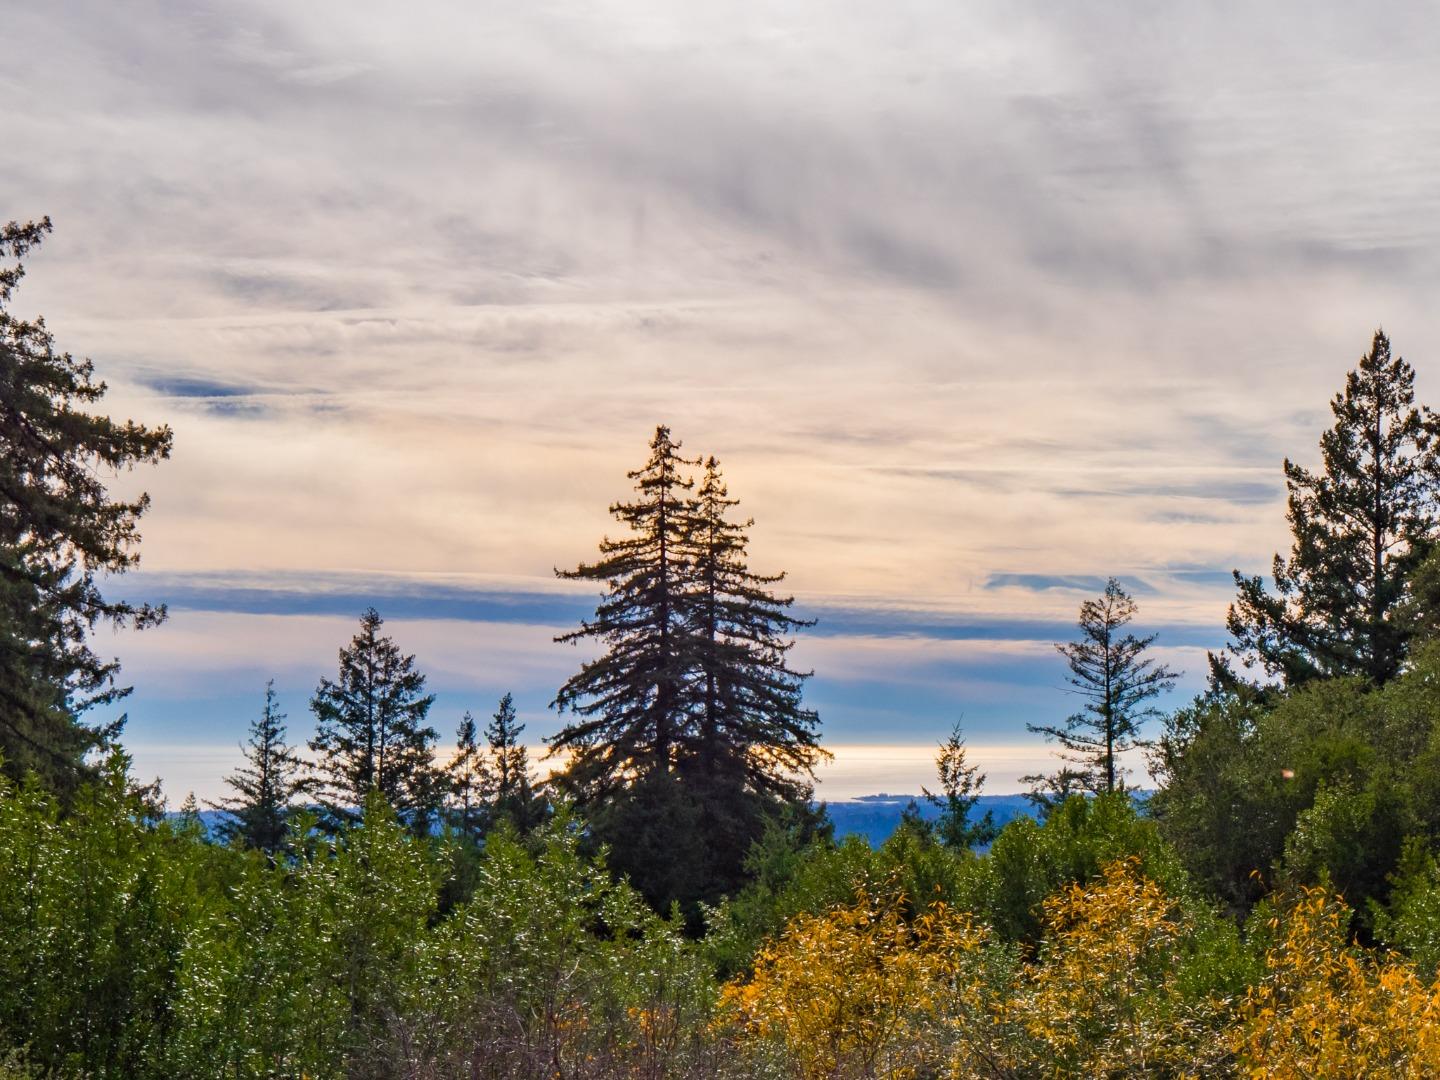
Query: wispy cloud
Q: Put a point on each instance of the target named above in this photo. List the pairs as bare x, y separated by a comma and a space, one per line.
973, 301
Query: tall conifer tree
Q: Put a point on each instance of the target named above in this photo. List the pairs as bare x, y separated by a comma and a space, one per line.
692, 730
960, 784
751, 745
514, 797
631, 702
267, 786
371, 734
749, 717
59, 531
1361, 527
1111, 673
470, 781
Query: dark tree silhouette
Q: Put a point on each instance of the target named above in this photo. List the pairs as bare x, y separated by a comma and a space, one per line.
516, 799
749, 718
750, 745
59, 530
691, 728
470, 782
630, 703
1361, 527
371, 734
1110, 671
267, 786
960, 784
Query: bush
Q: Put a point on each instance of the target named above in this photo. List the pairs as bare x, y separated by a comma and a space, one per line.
96, 905
861, 991
1029, 861
1327, 1008
1126, 983
1412, 920
552, 967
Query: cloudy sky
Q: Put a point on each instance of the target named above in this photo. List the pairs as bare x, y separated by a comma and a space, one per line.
976, 303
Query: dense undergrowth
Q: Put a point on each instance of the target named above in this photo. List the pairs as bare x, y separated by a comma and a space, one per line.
1077, 947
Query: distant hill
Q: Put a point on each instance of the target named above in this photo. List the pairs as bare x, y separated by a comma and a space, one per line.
210, 821
876, 816
871, 816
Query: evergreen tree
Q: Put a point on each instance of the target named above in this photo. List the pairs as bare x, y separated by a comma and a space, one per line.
515, 799
631, 702
1047, 793
691, 728
187, 821
750, 718
1418, 615
470, 781
371, 734
267, 786
1111, 672
750, 745
59, 531
1360, 527
960, 785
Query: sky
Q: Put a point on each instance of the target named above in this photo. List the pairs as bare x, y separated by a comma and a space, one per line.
977, 304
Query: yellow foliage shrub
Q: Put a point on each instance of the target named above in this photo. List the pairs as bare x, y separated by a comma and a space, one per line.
1327, 1008
1103, 997
1112, 991
857, 991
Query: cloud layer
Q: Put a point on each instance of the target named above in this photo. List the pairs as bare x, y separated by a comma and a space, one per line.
978, 304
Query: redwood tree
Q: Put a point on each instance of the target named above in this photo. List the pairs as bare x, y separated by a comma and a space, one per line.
630, 703
691, 730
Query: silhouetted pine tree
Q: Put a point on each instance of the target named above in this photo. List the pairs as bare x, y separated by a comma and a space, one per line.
750, 743
960, 785
59, 532
370, 733
692, 730
515, 799
750, 719
631, 702
267, 786
1111, 672
187, 821
470, 782
1361, 527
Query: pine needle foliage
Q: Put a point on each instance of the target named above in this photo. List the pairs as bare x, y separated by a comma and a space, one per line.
470, 781
59, 531
960, 786
1361, 527
371, 733
1110, 671
690, 728
515, 798
630, 702
750, 721
267, 786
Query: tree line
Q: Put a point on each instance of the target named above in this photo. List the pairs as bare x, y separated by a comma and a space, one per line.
369, 739
671, 903
689, 733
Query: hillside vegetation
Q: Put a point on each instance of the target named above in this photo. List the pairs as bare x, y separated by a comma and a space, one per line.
673, 903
